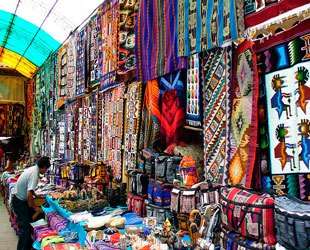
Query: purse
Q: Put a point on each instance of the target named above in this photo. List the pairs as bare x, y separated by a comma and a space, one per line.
292, 222
136, 204
146, 162
248, 213
138, 182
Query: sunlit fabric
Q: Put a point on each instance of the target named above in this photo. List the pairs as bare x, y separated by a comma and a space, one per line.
38, 28
12, 89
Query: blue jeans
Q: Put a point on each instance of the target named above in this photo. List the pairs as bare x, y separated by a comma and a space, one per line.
24, 217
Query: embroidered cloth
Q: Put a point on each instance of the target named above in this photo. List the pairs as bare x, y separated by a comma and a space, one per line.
244, 121
93, 126
70, 132
217, 67
94, 26
80, 61
156, 39
71, 66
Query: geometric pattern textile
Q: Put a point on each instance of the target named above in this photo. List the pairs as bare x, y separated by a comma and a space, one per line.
126, 42
71, 66
94, 26
62, 77
99, 126
113, 100
304, 183
70, 132
244, 120
131, 124
207, 24
217, 78
93, 126
11, 119
156, 39
285, 58
80, 61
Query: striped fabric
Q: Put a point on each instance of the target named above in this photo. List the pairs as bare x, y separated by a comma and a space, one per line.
156, 39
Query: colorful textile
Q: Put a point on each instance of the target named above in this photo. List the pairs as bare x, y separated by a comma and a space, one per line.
217, 66
78, 148
80, 61
259, 11
64, 246
71, 66
100, 117
304, 183
70, 132
285, 59
132, 122
244, 121
62, 76
206, 24
86, 134
156, 39
109, 14
93, 126
126, 42
11, 119
56, 222
150, 117
172, 118
193, 95
94, 53
29, 87
113, 128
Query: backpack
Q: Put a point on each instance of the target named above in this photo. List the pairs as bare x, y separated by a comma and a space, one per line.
167, 167
136, 204
159, 193
146, 162
138, 182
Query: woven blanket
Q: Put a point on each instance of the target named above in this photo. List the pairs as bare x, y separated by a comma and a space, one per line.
71, 66
259, 11
304, 183
70, 132
62, 75
204, 24
78, 144
80, 61
244, 121
126, 42
113, 128
216, 68
11, 119
86, 134
99, 126
193, 92
94, 27
286, 59
109, 15
131, 124
156, 39
93, 126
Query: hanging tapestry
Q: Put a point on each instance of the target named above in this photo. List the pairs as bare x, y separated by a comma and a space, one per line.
86, 127
100, 117
286, 60
94, 53
156, 39
132, 121
113, 128
78, 144
17, 119
93, 126
126, 40
259, 11
243, 132
150, 117
4, 119
62, 77
304, 182
80, 61
71, 65
193, 92
60, 144
11, 119
29, 99
216, 70
109, 13
204, 24
70, 132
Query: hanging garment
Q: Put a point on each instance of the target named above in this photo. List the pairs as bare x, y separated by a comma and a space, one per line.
156, 39
244, 120
80, 61
173, 118
217, 66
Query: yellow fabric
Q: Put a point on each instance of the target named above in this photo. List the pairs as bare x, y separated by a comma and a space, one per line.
11, 59
12, 89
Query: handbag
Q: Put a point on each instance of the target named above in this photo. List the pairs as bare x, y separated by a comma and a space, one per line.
248, 213
146, 162
292, 222
185, 200
136, 204
161, 213
138, 182
159, 193
167, 167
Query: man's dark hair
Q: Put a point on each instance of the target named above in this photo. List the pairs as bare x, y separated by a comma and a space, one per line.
44, 162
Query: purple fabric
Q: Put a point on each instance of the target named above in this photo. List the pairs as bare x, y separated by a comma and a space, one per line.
56, 222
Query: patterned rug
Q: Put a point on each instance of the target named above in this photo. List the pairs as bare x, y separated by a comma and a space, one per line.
70, 132
156, 39
207, 24
193, 92
93, 126
62, 75
99, 126
131, 124
113, 128
259, 11
11, 119
304, 183
109, 15
71, 66
217, 78
126, 42
78, 144
150, 117
94, 30
80, 61
86, 133
244, 120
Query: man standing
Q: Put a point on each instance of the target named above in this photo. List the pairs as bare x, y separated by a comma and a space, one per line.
23, 202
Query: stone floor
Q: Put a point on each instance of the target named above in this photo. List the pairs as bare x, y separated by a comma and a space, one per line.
8, 238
